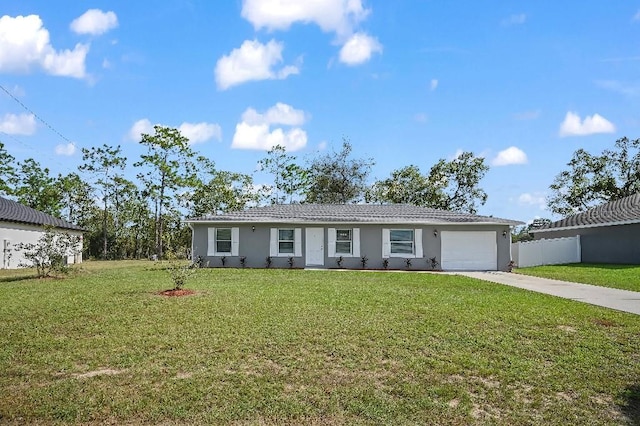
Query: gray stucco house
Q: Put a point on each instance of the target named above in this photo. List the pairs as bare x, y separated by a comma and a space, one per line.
22, 224
609, 233
332, 236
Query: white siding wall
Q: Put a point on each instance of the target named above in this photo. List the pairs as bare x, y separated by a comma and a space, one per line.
555, 251
12, 234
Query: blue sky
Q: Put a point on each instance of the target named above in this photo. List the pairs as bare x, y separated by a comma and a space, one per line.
522, 83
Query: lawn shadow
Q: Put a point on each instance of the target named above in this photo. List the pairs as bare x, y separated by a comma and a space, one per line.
631, 407
602, 265
18, 278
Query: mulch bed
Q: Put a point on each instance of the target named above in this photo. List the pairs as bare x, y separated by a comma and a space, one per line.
176, 293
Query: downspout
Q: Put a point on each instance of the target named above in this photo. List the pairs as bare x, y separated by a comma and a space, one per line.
192, 234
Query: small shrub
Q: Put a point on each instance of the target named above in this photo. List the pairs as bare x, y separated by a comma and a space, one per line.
433, 263
49, 254
364, 261
339, 261
179, 270
243, 261
291, 261
407, 262
385, 263
223, 260
268, 260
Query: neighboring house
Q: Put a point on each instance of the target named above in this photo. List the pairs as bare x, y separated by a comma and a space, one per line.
609, 233
332, 236
22, 224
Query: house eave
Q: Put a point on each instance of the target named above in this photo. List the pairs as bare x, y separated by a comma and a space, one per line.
349, 222
587, 226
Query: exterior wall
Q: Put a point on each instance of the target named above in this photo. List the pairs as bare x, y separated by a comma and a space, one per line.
606, 244
254, 245
12, 234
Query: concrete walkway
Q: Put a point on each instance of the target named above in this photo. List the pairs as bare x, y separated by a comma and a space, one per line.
622, 300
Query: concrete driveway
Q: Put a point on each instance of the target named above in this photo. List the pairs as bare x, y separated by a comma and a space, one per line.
622, 300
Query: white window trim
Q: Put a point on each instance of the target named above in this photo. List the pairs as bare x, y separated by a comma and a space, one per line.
355, 242
417, 244
274, 246
211, 242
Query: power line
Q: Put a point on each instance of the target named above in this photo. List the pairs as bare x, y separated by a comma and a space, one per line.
36, 115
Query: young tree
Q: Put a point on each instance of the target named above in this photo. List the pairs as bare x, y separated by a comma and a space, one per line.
596, 179
336, 178
49, 254
105, 165
35, 188
7, 171
289, 179
171, 167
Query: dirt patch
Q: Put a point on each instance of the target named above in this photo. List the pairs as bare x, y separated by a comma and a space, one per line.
176, 293
604, 322
567, 328
103, 372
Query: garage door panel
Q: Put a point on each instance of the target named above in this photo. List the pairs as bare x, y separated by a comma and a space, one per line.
469, 250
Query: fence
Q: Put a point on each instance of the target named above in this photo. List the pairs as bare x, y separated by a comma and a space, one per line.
547, 252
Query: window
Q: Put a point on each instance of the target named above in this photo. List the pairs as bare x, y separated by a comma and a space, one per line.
405, 243
285, 242
401, 241
286, 238
223, 240
343, 241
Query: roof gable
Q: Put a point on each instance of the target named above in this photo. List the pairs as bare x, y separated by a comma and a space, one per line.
623, 211
350, 213
11, 211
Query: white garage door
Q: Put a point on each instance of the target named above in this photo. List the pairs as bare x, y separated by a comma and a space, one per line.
469, 250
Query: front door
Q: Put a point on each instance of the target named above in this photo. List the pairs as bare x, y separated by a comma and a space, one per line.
314, 246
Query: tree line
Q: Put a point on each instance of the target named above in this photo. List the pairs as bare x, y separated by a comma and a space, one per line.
143, 217
139, 218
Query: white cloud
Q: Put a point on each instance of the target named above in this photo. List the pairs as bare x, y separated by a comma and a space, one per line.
195, 132
536, 199
200, 132
574, 126
339, 16
527, 115
629, 89
280, 113
517, 19
511, 155
252, 61
359, 48
322, 146
140, 127
94, 22
21, 124
433, 85
255, 132
24, 44
636, 17
66, 149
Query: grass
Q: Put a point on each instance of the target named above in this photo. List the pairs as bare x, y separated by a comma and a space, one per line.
308, 347
625, 277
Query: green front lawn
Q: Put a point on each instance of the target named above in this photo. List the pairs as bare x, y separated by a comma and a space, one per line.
309, 347
626, 277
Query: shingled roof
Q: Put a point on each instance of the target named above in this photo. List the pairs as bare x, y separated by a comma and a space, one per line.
11, 211
351, 213
619, 212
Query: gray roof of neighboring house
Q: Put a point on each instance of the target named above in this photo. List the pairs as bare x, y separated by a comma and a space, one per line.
623, 211
11, 211
351, 213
